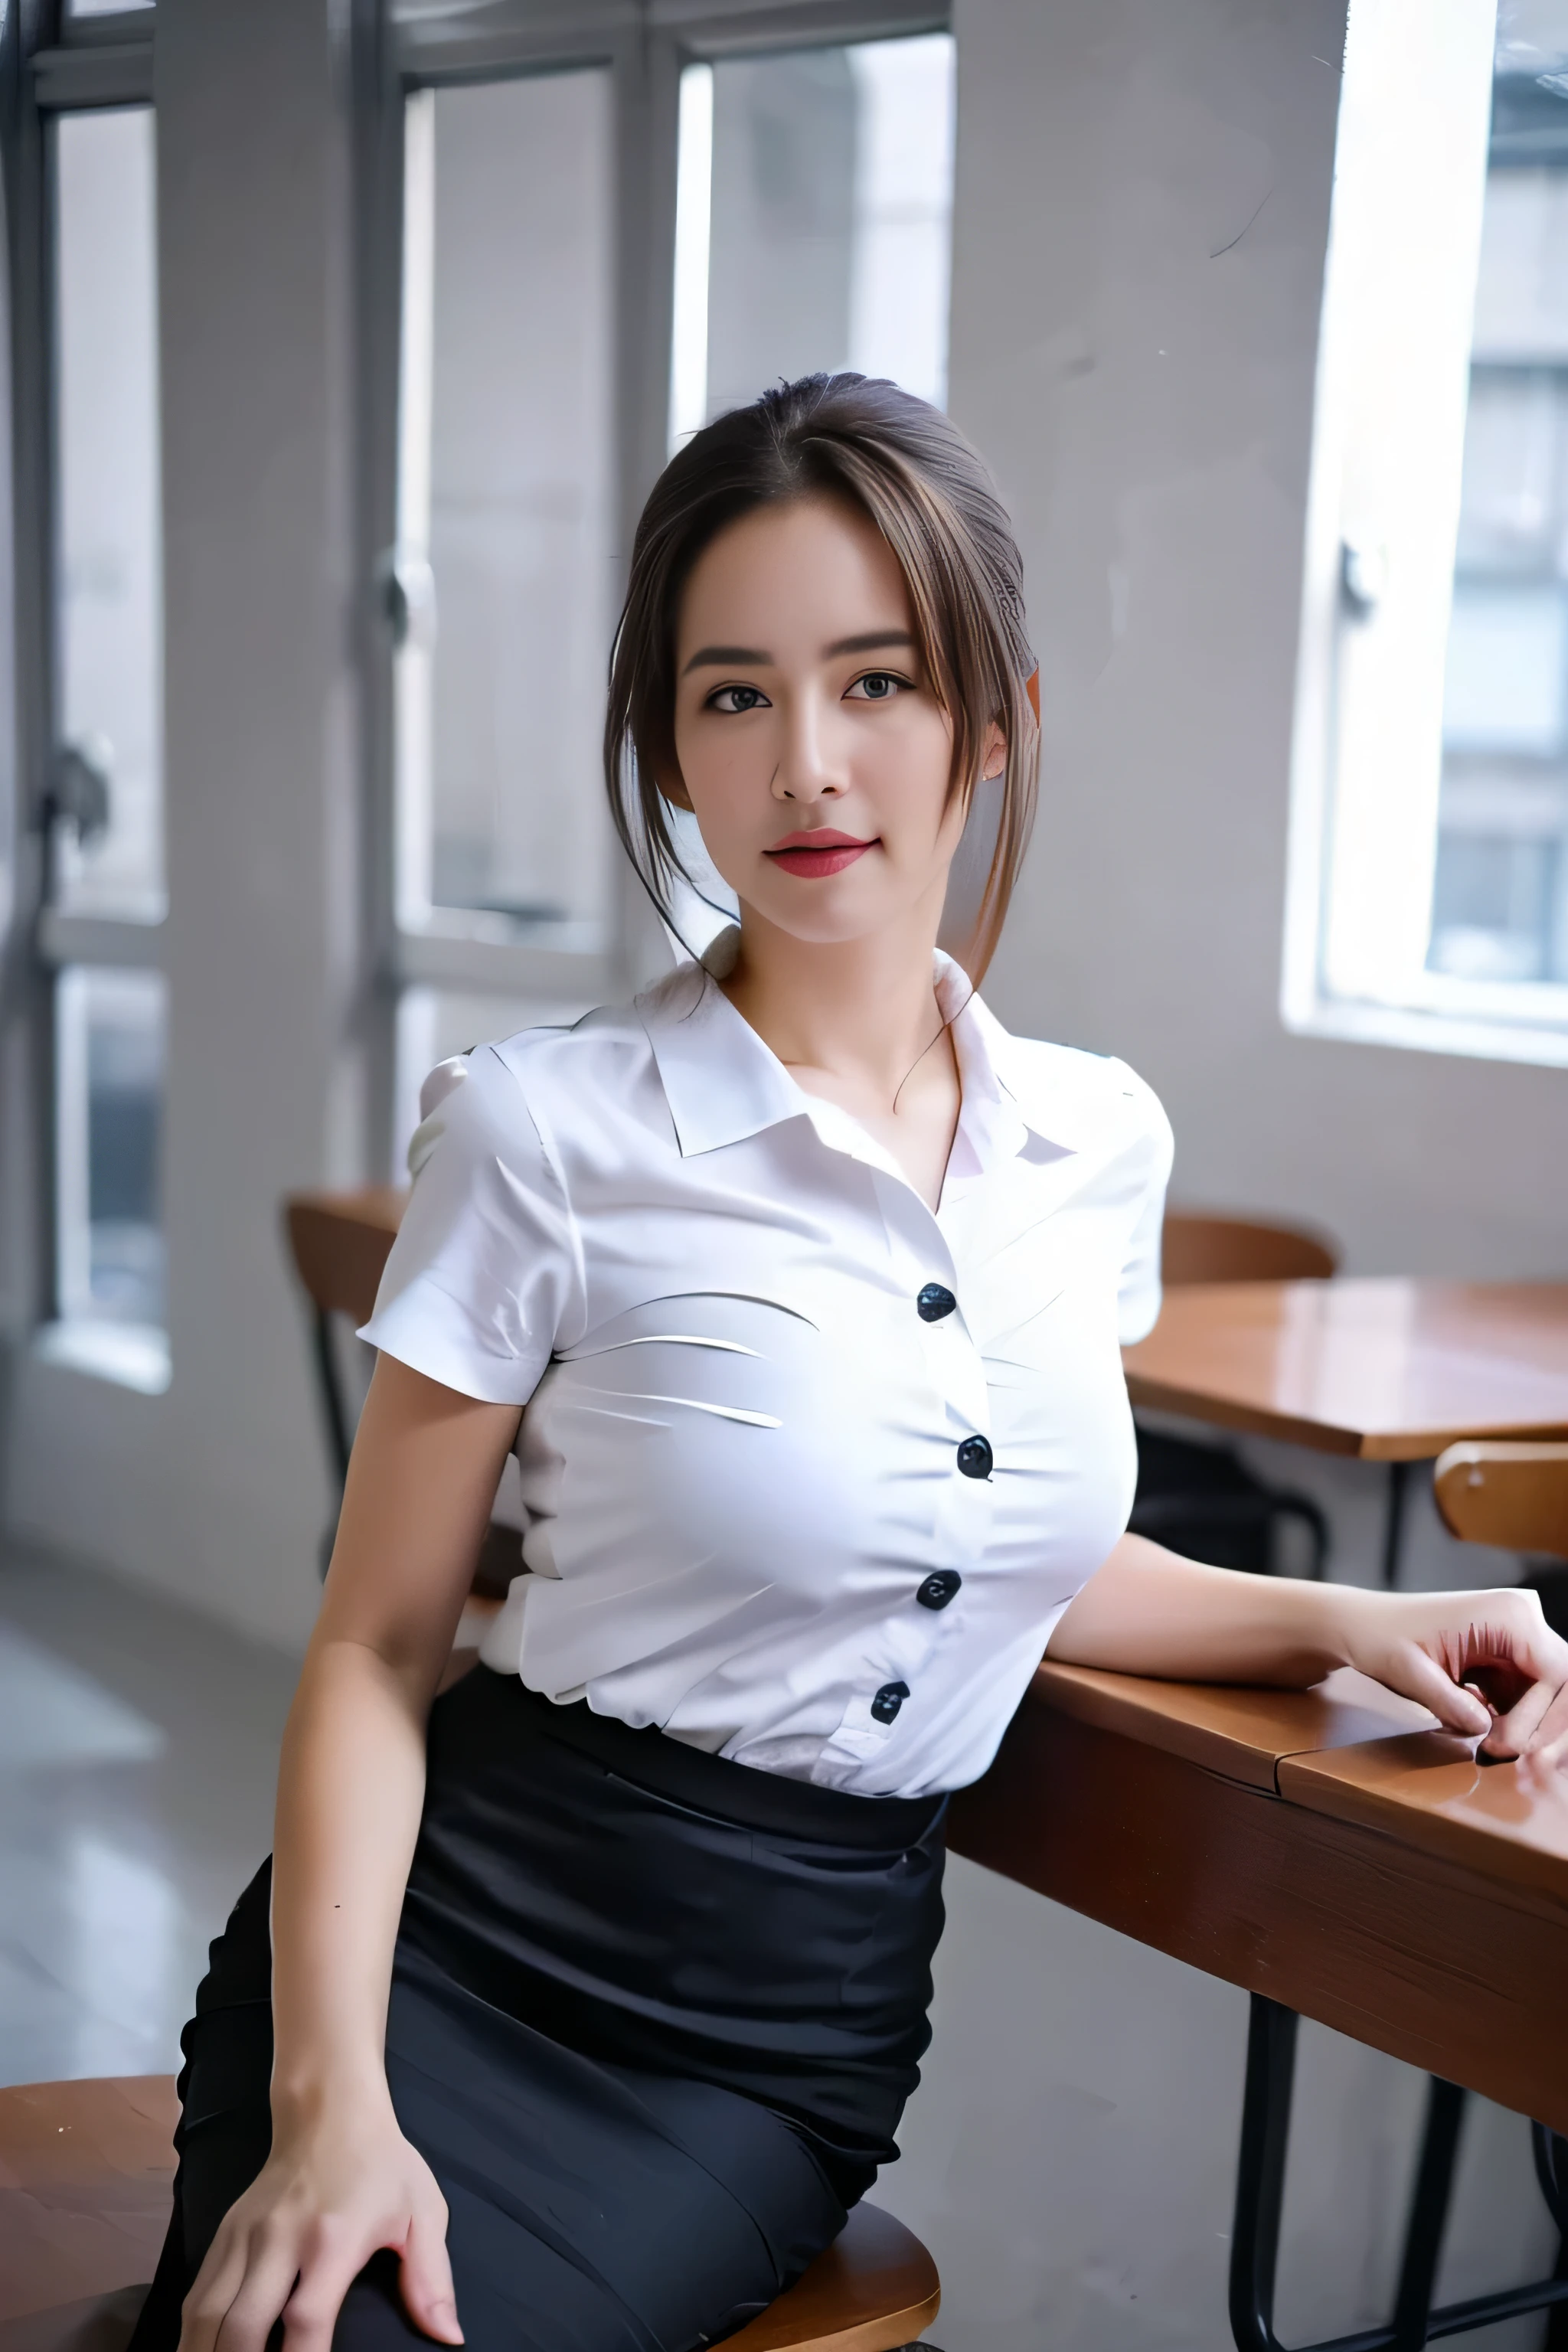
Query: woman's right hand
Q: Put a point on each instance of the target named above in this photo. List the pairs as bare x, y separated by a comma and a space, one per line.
330, 2196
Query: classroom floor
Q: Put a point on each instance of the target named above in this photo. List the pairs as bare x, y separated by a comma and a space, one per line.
138, 1751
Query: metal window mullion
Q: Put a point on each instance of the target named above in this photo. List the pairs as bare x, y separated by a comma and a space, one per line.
717, 31
28, 985
377, 138
488, 41
60, 938
95, 74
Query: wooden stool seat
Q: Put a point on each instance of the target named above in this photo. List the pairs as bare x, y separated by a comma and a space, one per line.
85, 2176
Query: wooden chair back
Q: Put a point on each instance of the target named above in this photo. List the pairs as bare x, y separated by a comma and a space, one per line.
1512, 1496
1199, 1247
340, 1243
86, 2173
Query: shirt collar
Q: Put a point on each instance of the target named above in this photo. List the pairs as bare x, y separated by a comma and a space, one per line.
723, 1084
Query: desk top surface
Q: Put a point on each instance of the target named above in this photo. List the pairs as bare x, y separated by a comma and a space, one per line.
1349, 1749
1393, 1369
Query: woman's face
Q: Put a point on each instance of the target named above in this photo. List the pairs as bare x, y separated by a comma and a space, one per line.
812, 750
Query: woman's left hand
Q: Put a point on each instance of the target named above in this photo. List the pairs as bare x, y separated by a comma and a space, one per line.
1483, 1662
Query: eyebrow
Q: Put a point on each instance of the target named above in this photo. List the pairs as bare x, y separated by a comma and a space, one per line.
743, 657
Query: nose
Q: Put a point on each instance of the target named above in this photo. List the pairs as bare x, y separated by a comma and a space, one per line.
806, 771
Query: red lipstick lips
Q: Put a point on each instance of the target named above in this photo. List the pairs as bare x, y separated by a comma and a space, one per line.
821, 851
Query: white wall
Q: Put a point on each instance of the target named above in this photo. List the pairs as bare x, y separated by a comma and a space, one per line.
1144, 397
217, 1492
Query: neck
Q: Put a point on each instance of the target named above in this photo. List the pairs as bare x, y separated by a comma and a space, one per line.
863, 1010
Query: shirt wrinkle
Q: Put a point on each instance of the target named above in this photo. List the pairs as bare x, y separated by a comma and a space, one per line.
767, 1393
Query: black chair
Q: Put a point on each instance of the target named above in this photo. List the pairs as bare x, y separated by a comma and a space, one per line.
1200, 1498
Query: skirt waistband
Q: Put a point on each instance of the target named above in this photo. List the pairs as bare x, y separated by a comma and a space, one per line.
738, 1794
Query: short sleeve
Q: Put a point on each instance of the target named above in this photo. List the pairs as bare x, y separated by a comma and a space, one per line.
1137, 1298
482, 1269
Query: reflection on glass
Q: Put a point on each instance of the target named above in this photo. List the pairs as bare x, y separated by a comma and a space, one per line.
109, 561
504, 562
110, 1067
813, 211
1500, 899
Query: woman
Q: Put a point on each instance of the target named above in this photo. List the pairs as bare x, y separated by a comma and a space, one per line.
595, 1991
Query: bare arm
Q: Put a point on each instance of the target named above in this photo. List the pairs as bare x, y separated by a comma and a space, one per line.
341, 2180
1483, 1662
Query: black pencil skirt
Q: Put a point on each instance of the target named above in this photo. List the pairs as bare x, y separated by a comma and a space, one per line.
653, 2017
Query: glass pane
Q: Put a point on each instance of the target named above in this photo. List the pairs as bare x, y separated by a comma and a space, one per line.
109, 1069
109, 582
814, 218
1500, 902
505, 522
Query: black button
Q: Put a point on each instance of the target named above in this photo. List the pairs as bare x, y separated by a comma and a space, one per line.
974, 1458
934, 1302
938, 1588
887, 1701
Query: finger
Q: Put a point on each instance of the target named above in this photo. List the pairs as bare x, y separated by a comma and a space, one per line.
1549, 1742
261, 2294
334, 2260
427, 2278
218, 2281
1513, 1733
1422, 1678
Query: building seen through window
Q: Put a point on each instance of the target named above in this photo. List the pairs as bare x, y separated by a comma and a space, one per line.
108, 556
110, 1046
1500, 892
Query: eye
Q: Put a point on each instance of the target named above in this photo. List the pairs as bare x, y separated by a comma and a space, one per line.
878, 686
734, 699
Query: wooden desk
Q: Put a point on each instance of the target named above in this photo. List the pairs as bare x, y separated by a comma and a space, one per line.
1392, 1371
1342, 1859
1315, 1851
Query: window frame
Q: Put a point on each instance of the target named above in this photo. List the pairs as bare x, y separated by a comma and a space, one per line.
402, 47
52, 66
1407, 1004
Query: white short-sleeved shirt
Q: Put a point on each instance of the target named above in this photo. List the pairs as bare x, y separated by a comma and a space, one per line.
776, 1500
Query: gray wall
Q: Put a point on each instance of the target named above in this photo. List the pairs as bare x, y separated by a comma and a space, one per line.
1144, 398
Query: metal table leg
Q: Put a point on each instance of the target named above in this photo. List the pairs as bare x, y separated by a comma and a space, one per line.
1260, 2200
1394, 1521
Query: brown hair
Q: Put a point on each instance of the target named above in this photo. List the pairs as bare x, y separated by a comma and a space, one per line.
910, 470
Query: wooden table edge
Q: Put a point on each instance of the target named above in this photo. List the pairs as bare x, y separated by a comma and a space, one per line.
1404, 1949
1120, 1704
1327, 1783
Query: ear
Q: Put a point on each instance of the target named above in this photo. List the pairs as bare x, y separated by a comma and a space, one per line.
994, 754
672, 785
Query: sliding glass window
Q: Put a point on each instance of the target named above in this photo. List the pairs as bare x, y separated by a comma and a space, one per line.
812, 221
103, 886
504, 572
606, 231
108, 785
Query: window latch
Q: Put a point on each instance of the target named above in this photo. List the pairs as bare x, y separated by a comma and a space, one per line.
78, 794
1364, 576
405, 597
